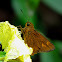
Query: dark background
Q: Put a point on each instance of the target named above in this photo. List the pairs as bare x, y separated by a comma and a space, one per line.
46, 15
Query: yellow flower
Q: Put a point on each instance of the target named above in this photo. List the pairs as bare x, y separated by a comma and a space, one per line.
13, 44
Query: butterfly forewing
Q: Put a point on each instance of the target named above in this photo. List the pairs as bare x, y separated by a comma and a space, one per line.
35, 40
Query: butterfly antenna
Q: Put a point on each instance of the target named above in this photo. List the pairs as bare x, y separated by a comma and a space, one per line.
24, 16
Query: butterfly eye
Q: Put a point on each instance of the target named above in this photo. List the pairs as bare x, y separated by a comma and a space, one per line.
28, 24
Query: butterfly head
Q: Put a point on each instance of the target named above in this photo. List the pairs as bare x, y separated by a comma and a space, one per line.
29, 24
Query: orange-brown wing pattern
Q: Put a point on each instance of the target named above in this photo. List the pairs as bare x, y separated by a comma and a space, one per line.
38, 42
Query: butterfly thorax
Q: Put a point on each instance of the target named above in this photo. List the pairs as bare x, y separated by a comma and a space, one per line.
26, 30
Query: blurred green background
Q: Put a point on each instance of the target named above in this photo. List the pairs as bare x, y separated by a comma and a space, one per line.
46, 15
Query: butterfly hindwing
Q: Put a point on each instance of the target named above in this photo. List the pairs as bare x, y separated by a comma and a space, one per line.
38, 42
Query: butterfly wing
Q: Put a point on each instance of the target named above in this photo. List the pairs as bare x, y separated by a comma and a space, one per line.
38, 42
